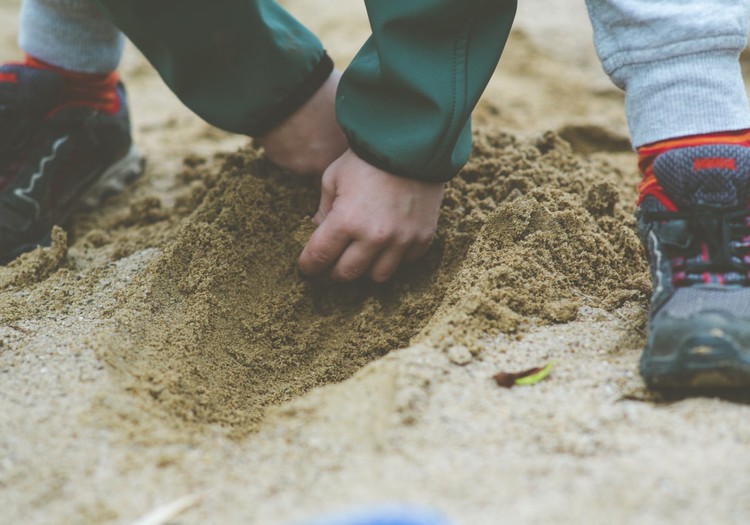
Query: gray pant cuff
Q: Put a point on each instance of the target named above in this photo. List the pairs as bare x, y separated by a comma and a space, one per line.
685, 95
71, 34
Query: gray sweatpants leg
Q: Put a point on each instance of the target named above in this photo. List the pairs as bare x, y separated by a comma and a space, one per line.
72, 34
677, 61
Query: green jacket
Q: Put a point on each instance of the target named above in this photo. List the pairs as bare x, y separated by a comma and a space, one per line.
404, 102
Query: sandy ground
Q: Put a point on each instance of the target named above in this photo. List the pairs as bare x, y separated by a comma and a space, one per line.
172, 350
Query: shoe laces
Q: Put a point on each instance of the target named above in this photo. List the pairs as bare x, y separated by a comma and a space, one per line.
717, 250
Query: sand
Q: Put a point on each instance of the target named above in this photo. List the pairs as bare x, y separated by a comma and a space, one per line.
166, 345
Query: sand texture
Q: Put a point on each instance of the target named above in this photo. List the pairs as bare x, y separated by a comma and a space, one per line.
167, 346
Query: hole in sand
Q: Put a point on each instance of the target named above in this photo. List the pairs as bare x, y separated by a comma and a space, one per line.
222, 325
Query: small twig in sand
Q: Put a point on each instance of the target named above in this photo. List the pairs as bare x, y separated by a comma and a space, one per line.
163, 514
18, 328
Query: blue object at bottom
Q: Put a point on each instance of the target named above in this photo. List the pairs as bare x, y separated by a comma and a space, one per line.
385, 516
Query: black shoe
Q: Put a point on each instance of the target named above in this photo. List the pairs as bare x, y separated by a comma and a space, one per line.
54, 158
697, 235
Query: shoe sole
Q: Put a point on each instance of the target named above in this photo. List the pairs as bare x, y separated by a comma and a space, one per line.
113, 181
709, 358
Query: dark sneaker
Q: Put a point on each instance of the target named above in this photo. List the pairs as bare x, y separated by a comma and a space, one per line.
697, 235
54, 158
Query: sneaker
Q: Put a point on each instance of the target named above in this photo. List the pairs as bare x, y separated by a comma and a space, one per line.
54, 157
697, 235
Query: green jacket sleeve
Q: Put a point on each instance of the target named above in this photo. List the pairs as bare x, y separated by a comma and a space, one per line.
242, 65
405, 101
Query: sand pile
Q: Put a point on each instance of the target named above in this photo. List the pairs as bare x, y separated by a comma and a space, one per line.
222, 324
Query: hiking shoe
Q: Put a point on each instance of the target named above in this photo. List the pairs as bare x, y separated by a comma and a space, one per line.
697, 235
55, 157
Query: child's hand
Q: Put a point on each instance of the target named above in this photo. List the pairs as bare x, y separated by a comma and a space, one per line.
309, 140
370, 221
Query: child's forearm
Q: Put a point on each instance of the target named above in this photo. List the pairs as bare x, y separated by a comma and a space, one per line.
242, 65
405, 101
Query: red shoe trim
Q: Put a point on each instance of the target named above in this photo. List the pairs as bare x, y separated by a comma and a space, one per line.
98, 91
9, 77
648, 153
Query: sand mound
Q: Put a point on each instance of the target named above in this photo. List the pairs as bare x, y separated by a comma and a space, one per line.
222, 325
